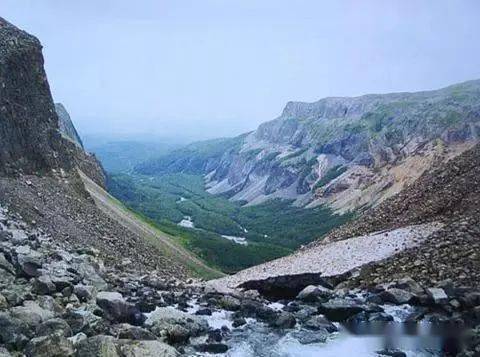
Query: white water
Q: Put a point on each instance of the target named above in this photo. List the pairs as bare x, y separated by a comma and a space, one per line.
238, 240
186, 222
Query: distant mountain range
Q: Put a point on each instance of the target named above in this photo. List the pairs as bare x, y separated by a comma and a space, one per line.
348, 153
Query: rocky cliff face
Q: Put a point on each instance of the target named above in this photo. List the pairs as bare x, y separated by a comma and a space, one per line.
66, 125
31, 139
345, 152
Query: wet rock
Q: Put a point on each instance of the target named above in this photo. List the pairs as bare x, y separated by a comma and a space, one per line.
229, 303
304, 312
239, 321
146, 349
396, 296
49, 346
285, 320
204, 312
212, 348
437, 295
319, 322
164, 318
177, 334
392, 353
340, 309
314, 293
306, 337
54, 326
97, 346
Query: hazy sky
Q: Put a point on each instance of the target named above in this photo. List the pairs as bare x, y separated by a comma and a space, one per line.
208, 68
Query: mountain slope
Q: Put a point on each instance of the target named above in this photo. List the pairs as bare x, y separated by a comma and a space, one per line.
348, 153
39, 164
429, 232
66, 126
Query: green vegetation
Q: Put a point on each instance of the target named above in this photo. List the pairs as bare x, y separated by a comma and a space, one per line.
330, 175
272, 229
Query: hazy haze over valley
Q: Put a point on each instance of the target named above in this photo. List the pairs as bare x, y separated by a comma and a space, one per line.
196, 70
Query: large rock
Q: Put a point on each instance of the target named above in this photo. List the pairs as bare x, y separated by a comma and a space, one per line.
314, 293
54, 326
341, 309
117, 309
163, 318
31, 313
14, 333
146, 349
396, 296
98, 346
437, 295
6, 265
49, 346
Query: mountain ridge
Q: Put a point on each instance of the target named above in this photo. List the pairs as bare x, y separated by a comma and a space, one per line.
331, 150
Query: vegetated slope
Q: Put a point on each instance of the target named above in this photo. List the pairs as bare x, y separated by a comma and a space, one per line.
348, 153
115, 210
38, 165
449, 193
271, 229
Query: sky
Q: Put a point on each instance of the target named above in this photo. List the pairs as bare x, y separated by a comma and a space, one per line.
201, 69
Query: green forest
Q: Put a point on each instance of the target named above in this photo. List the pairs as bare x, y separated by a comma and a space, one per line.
272, 229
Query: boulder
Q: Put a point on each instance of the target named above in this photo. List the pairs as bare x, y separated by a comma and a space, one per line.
14, 333
31, 313
146, 349
43, 285
3, 302
129, 332
6, 265
76, 339
437, 295
54, 327
396, 296
49, 346
340, 309
239, 321
117, 309
211, 348
285, 320
4, 352
81, 320
319, 322
163, 318
29, 261
177, 334
314, 293
84, 292
306, 337
98, 346
229, 303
